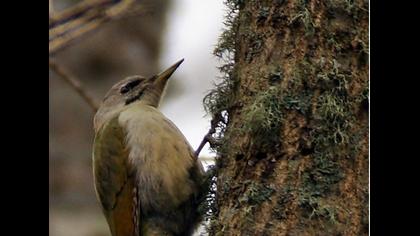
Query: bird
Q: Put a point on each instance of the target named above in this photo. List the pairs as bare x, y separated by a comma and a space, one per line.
146, 175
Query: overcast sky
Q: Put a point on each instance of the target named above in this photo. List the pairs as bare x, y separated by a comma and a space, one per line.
192, 31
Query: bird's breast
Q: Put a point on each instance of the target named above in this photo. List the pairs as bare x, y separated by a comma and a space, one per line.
159, 157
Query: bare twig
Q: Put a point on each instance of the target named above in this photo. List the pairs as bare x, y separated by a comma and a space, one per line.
74, 83
78, 10
66, 39
51, 9
67, 26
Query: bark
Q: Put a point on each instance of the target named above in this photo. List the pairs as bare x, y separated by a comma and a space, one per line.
292, 141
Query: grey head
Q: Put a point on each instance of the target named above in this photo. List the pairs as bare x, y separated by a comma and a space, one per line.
131, 90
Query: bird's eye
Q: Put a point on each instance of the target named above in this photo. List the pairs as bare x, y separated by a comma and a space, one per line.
124, 89
130, 85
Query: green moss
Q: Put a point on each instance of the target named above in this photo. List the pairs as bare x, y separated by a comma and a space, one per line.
275, 76
256, 194
309, 200
225, 47
326, 211
330, 134
317, 89
263, 116
333, 42
280, 211
217, 104
319, 180
303, 17
219, 100
299, 102
255, 44
364, 95
301, 74
263, 14
308, 22
364, 47
332, 138
333, 110
344, 5
350, 7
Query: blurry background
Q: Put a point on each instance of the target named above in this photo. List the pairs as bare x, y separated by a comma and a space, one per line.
167, 31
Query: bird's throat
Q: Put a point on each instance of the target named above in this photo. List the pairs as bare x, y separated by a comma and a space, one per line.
135, 98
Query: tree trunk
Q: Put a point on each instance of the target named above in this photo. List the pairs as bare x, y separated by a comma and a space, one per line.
292, 138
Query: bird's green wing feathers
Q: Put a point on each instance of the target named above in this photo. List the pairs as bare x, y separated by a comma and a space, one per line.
113, 184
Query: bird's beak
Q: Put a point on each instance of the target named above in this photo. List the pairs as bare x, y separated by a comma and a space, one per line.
163, 77
156, 88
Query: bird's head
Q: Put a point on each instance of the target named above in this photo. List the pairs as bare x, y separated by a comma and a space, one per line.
133, 89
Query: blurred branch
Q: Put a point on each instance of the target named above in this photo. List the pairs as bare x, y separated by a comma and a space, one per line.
70, 24
74, 83
51, 9
77, 11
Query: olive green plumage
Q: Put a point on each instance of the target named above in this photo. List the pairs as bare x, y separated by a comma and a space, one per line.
146, 175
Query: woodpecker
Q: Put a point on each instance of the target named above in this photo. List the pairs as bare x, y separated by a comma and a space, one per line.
146, 175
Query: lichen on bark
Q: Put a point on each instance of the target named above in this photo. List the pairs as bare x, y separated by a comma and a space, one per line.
292, 147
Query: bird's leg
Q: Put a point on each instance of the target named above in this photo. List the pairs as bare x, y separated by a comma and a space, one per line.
203, 142
208, 138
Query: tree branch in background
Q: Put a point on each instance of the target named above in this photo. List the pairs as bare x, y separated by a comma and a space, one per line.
67, 26
51, 9
74, 83
76, 11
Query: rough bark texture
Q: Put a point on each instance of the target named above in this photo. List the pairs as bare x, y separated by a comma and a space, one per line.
293, 139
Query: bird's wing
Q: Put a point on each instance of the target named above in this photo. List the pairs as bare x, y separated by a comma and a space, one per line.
180, 148
113, 182
182, 141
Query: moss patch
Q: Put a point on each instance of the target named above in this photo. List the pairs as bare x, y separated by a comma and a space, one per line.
292, 98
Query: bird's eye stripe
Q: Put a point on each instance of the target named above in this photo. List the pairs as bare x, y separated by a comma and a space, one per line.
129, 86
133, 83
132, 99
124, 89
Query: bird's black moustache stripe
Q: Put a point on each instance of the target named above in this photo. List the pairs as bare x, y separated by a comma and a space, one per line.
129, 86
137, 97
